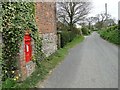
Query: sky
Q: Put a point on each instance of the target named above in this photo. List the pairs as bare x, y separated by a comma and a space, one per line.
119, 11
98, 6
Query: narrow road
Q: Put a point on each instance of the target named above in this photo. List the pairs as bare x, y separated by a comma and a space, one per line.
91, 64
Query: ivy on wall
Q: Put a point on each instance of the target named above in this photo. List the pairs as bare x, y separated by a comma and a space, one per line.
17, 17
0, 17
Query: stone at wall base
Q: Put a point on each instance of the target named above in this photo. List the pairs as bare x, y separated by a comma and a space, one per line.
30, 68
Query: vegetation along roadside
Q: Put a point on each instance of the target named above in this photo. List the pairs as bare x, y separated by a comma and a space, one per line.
45, 66
110, 34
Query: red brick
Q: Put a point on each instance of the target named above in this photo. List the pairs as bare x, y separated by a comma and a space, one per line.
45, 17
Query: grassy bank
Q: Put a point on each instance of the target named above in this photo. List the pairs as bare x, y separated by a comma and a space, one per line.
111, 34
47, 65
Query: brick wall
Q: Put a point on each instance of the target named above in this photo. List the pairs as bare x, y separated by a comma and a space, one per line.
45, 17
46, 22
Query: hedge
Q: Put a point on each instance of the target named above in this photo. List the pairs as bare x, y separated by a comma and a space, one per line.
112, 34
68, 36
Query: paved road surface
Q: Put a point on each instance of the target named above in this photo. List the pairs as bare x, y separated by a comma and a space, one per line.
91, 64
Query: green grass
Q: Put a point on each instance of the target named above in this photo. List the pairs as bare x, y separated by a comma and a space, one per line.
47, 65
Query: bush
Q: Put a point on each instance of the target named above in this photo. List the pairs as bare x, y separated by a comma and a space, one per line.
76, 31
65, 38
111, 34
85, 31
8, 83
67, 35
119, 25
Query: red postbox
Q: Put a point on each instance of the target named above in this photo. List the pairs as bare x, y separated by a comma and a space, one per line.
27, 47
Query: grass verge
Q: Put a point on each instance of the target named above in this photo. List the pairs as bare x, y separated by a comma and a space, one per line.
47, 65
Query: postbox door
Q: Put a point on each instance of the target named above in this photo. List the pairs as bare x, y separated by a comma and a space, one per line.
28, 48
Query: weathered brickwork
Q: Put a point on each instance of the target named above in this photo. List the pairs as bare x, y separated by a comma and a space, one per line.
45, 17
46, 22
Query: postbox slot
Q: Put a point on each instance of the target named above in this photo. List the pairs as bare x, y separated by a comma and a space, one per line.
27, 48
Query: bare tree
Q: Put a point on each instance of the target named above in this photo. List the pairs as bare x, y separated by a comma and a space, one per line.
90, 20
110, 22
72, 12
102, 20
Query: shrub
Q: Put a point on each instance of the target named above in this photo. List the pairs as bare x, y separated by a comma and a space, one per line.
76, 31
85, 31
67, 35
65, 38
119, 25
8, 83
111, 34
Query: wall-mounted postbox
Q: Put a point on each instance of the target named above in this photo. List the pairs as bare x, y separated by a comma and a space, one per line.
27, 47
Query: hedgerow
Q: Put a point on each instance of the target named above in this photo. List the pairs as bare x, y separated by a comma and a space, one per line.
112, 34
67, 35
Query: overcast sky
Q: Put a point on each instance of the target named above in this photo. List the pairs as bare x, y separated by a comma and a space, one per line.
99, 7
